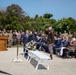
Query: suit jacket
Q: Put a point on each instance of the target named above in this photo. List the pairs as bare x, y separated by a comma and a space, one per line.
58, 44
65, 43
26, 39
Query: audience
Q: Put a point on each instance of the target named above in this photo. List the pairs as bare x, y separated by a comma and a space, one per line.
49, 42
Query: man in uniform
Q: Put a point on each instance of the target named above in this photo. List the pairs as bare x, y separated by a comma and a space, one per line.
50, 40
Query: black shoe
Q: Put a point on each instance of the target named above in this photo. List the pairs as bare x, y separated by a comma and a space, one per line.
51, 56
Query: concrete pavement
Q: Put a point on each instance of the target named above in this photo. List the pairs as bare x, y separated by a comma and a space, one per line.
58, 66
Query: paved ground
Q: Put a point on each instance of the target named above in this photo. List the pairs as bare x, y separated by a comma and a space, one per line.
58, 66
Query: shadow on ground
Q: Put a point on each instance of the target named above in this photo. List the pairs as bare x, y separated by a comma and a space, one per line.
3, 72
34, 63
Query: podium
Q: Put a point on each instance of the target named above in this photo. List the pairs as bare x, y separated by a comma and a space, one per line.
3, 43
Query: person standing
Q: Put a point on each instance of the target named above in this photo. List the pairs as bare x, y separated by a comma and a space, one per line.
15, 37
50, 40
26, 39
5, 33
0, 33
10, 39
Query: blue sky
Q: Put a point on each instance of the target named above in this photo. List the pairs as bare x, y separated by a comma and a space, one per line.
59, 8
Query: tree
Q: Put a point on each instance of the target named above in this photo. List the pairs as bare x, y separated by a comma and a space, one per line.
15, 10
36, 16
3, 18
68, 24
15, 16
47, 16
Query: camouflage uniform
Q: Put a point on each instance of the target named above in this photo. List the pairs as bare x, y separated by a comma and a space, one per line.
50, 41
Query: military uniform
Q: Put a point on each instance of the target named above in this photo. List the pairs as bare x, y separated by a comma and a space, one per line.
0, 33
50, 41
10, 39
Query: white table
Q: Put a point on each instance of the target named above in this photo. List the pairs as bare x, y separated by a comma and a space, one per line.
41, 58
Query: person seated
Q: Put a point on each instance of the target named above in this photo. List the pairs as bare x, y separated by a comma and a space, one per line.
72, 48
45, 47
75, 53
64, 44
57, 44
41, 42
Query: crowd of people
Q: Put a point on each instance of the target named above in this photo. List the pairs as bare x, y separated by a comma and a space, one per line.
48, 41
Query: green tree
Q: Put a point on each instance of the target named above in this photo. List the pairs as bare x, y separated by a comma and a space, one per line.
68, 24
15, 16
3, 18
47, 16
15, 10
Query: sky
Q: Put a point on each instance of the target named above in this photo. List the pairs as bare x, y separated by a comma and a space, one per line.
59, 8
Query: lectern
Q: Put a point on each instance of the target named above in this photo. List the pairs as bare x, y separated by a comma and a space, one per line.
3, 43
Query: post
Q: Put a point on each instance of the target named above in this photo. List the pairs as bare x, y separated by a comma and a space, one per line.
17, 51
17, 59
